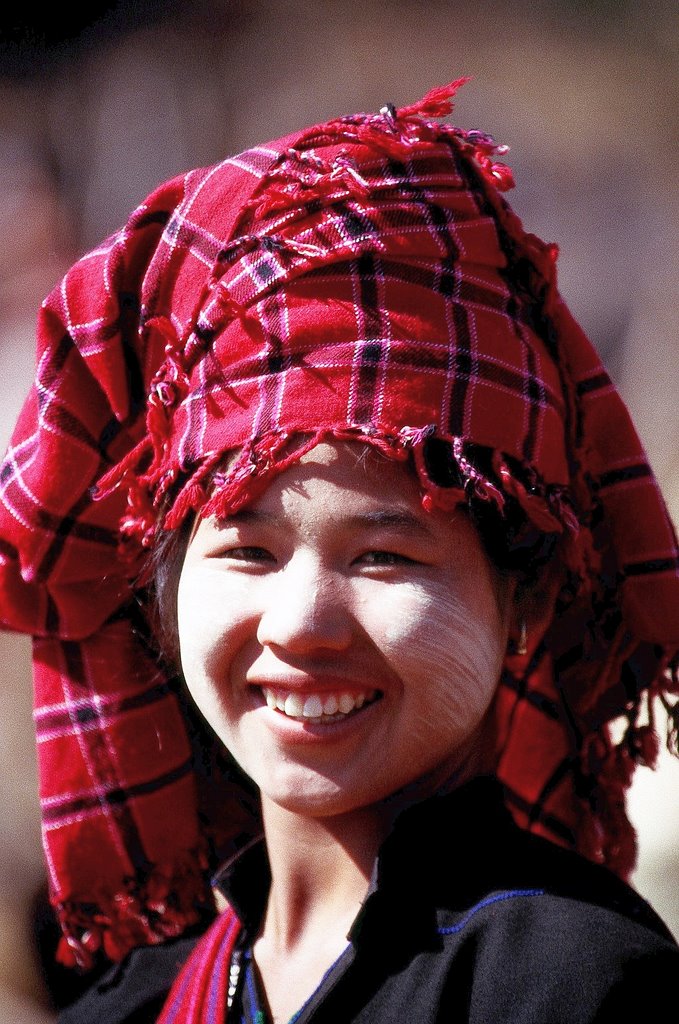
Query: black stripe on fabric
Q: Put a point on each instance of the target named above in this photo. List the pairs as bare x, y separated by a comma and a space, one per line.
402, 353
403, 356
61, 417
463, 370
153, 217
89, 713
265, 270
71, 526
95, 534
371, 354
561, 772
277, 361
313, 205
109, 433
519, 683
188, 236
619, 476
536, 395
549, 708
441, 282
518, 311
118, 797
52, 617
419, 166
100, 760
372, 350
357, 224
66, 526
469, 291
272, 325
349, 222
651, 566
439, 218
554, 824
204, 333
446, 283
128, 325
64, 422
596, 383
8, 550
569, 658
436, 217
54, 368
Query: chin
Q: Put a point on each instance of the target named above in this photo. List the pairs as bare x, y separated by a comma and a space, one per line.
313, 801
316, 796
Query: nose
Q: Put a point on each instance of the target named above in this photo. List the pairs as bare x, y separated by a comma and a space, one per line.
305, 610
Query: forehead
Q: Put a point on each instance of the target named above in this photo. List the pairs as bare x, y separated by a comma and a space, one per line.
339, 480
349, 467
344, 485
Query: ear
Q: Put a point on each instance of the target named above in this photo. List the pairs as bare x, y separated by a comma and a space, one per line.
533, 607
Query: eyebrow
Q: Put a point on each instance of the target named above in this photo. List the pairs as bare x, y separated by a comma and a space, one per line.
247, 515
387, 518
397, 519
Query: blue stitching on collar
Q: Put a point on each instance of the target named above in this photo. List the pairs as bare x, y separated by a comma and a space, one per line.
498, 898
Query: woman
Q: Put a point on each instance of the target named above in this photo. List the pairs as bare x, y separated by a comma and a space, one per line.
409, 555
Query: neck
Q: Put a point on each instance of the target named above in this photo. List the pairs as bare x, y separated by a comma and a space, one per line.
320, 871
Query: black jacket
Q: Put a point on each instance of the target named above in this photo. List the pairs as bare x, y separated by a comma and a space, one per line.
468, 919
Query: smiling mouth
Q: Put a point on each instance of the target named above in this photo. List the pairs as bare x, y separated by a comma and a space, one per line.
318, 708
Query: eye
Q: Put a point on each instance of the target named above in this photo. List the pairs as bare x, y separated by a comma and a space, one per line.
247, 553
384, 558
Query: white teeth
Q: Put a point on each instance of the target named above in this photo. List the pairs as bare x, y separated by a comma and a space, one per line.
347, 703
316, 707
330, 705
313, 707
294, 706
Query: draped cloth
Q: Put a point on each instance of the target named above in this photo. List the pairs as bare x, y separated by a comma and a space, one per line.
363, 279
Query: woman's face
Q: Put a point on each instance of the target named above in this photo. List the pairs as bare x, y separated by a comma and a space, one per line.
341, 641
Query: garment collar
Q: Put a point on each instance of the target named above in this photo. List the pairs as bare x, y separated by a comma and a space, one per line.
436, 831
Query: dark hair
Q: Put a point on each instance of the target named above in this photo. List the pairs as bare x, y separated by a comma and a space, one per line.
163, 571
513, 543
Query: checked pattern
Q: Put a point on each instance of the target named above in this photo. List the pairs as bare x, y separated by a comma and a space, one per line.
361, 279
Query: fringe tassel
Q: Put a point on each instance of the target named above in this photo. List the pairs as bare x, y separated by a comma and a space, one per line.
672, 711
172, 898
110, 481
436, 103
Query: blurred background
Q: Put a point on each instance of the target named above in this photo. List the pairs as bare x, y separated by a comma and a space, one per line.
99, 108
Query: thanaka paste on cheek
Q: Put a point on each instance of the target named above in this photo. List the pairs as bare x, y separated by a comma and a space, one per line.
464, 649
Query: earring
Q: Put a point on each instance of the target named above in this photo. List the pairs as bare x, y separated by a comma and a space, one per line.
522, 645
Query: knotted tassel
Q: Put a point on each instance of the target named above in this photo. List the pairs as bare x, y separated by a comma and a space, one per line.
436, 103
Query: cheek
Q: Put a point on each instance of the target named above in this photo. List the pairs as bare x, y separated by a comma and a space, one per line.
210, 615
449, 642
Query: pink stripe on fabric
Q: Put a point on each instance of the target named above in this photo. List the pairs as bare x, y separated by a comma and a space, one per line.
190, 1000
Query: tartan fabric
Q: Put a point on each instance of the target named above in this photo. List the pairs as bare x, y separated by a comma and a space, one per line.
362, 279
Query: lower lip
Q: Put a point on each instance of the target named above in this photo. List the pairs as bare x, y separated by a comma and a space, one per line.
297, 730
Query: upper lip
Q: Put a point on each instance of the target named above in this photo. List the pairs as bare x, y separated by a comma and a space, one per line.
321, 683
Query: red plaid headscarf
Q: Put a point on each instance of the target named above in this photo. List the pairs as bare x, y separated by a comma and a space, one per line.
363, 279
